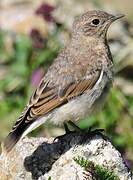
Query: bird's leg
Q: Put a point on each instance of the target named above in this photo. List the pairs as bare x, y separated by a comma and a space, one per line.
76, 128
67, 131
89, 131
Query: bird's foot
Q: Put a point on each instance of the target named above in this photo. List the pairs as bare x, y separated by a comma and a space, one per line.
68, 131
95, 132
77, 129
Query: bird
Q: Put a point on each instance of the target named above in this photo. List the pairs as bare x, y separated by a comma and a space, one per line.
76, 83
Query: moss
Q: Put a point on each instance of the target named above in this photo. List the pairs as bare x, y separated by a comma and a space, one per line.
97, 172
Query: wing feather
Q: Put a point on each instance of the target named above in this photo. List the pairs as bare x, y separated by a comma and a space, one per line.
49, 98
45, 100
46, 104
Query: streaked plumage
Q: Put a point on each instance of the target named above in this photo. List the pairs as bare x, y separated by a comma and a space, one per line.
75, 82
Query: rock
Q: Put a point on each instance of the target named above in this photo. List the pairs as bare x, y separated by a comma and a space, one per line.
63, 159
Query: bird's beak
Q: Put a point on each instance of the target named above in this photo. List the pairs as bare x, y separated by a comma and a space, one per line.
111, 19
114, 18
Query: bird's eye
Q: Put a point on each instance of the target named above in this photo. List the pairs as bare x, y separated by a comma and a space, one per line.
95, 22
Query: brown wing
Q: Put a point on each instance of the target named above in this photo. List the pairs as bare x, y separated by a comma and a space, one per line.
44, 100
50, 98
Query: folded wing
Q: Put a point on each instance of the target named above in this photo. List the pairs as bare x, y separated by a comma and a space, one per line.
44, 100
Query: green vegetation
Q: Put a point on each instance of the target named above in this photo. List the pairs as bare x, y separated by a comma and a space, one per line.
97, 172
19, 66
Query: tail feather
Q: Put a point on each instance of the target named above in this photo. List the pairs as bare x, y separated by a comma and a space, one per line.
10, 142
15, 136
25, 124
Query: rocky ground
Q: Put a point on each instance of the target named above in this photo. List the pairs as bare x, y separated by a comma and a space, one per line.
75, 156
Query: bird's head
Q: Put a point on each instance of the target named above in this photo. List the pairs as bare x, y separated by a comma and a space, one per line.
94, 24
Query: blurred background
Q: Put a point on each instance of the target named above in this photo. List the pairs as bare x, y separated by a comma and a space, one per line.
31, 34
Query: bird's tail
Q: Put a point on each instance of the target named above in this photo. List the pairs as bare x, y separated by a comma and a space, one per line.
14, 136
17, 131
25, 124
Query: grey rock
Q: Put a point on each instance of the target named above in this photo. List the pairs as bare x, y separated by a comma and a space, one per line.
41, 158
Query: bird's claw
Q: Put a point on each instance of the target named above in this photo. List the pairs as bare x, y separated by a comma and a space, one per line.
77, 129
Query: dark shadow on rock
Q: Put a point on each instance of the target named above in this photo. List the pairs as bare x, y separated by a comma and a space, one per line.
42, 159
